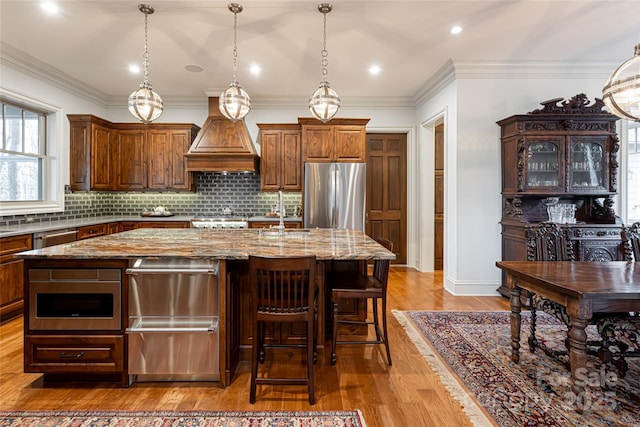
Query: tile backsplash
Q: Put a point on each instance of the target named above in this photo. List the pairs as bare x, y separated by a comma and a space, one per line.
215, 191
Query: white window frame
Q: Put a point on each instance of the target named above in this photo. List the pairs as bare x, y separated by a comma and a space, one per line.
56, 159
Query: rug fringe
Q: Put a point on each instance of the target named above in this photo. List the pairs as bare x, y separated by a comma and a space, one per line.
469, 406
361, 417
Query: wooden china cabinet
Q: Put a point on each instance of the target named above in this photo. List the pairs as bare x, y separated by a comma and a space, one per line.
561, 158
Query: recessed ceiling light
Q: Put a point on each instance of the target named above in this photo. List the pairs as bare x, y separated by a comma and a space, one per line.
134, 69
49, 7
194, 68
374, 70
456, 29
255, 69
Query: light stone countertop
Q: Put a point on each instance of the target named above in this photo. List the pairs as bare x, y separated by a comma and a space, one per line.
38, 227
325, 244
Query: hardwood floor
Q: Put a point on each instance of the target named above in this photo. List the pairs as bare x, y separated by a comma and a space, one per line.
405, 394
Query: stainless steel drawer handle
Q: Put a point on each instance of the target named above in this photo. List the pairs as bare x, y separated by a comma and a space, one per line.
171, 271
64, 355
169, 330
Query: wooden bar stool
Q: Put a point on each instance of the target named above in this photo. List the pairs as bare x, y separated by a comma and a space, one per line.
356, 285
282, 290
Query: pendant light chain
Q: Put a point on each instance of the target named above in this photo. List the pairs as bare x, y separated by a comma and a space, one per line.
234, 103
324, 54
235, 45
145, 55
145, 104
324, 102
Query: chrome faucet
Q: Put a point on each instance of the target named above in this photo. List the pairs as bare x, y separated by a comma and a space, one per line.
281, 209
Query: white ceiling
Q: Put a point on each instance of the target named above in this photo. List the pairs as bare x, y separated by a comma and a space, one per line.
94, 41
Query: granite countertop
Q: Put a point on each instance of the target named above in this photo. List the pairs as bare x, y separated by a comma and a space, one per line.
325, 244
37, 227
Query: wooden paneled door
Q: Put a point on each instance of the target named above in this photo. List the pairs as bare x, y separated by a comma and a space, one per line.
438, 213
386, 214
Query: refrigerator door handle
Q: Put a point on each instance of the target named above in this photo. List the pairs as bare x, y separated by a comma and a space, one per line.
337, 185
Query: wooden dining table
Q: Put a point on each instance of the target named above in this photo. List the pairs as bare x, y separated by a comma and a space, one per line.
583, 288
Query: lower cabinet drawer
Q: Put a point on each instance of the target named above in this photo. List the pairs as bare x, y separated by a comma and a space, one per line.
71, 353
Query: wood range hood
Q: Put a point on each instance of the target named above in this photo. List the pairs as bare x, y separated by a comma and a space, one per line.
222, 145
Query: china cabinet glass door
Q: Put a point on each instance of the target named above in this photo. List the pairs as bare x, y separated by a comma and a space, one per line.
542, 160
587, 165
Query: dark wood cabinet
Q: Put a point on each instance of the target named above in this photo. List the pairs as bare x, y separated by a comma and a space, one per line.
79, 353
89, 231
75, 353
130, 159
12, 275
559, 164
280, 157
341, 140
129, 156
165, 157
163, 224
268, 224
90, 151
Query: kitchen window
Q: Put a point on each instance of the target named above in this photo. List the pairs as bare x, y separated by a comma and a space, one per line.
22, 154
30, 170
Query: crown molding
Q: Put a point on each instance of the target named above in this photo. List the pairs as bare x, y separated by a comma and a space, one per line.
516, 69
33, 67
442, 78
533, 69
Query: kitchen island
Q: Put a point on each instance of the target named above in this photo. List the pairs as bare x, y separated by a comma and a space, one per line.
69, 352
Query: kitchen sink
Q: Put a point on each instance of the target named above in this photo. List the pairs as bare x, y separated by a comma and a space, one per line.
290, 232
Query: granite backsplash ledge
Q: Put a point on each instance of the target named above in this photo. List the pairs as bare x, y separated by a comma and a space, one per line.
215, 191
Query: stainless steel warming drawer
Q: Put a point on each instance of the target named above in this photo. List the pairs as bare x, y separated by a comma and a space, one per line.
173, 320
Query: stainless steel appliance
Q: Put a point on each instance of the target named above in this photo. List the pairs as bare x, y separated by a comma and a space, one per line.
173, 320
56, 237
334, 195
75, 299
220, 222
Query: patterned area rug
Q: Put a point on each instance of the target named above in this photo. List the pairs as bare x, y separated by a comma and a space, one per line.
475, 346
182, 419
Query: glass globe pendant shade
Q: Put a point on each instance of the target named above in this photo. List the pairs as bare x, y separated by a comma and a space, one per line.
145, 104
324, 103
621, 94
234, 103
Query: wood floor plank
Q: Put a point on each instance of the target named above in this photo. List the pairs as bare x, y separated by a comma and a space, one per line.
407, 393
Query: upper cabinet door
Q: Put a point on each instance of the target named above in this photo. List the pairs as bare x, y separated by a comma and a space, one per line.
290, 154
543, 164
588, 164
270, 165
350, 143
280, 157
318, 143
129, 157
158, 159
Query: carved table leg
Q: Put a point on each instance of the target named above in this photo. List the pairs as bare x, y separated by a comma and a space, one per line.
578, 358
515, 319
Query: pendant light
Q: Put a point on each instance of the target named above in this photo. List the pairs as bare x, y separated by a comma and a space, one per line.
234, 103
144, 103
621, 94
325, 102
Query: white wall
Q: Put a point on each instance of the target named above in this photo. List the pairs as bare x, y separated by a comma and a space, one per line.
472, 105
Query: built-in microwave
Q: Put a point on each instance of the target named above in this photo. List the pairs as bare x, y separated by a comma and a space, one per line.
75, 299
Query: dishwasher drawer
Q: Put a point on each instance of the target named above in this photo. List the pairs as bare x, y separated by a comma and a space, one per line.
174, 349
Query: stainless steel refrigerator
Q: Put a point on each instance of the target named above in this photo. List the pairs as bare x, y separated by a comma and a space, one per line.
334, 195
